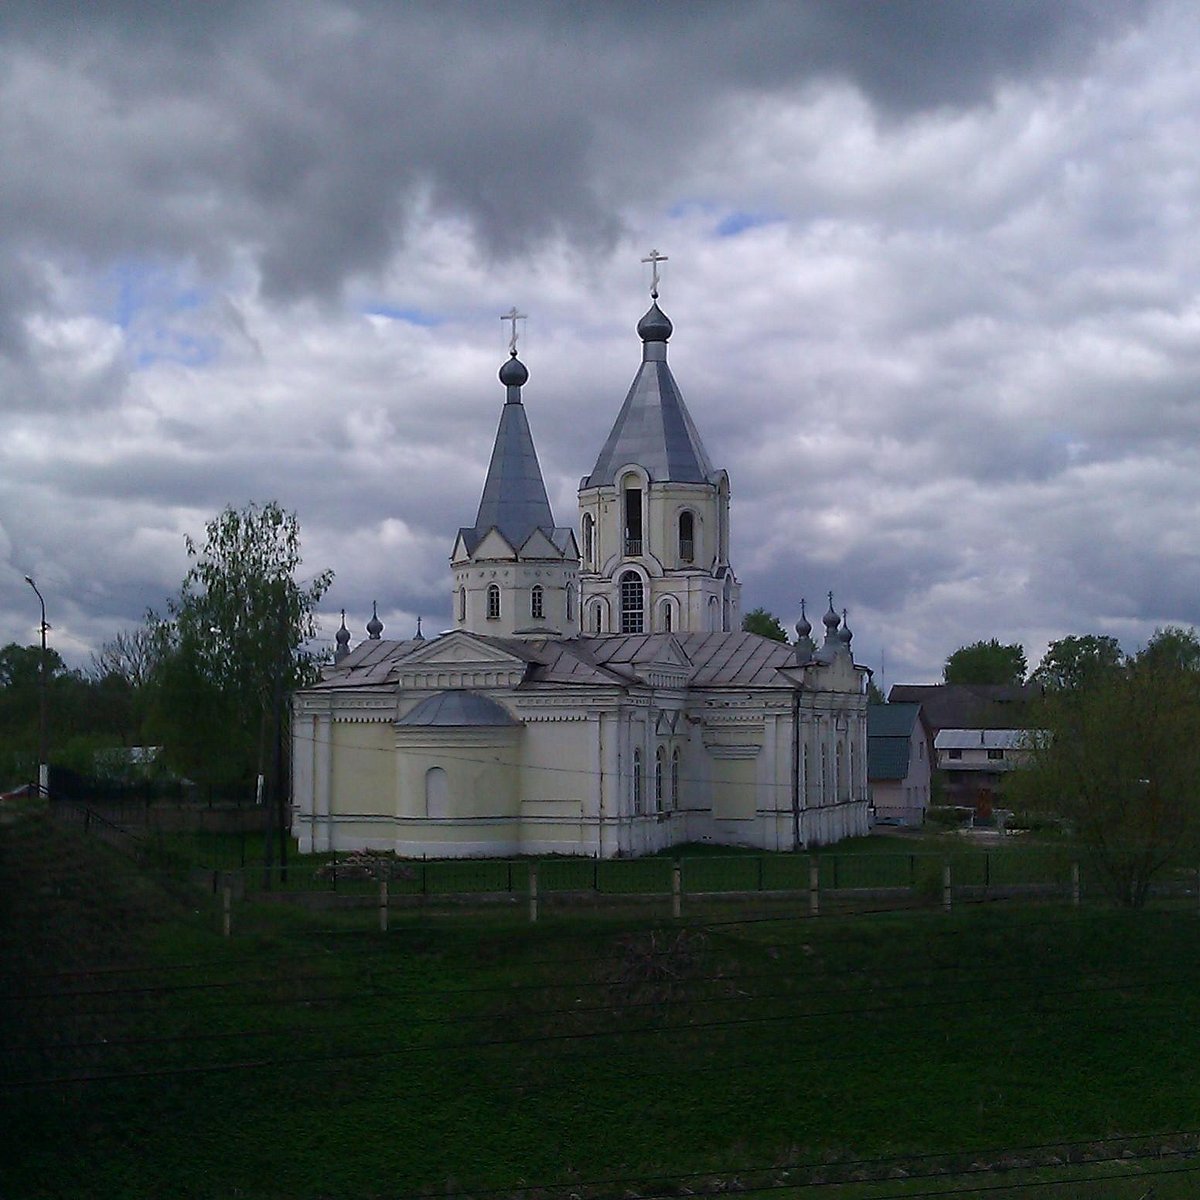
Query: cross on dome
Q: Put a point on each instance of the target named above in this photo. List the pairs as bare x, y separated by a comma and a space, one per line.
513, 316
654, 258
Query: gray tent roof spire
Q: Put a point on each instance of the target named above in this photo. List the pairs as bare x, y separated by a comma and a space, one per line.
654, 429
514, 495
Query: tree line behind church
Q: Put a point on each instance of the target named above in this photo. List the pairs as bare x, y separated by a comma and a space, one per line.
204, 682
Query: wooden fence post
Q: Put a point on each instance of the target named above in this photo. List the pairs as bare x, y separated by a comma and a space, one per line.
1075, 884
383, 906
226, 909
814, 887
676, 890
533, 893
947, 895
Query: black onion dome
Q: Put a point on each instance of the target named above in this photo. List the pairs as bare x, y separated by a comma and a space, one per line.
513, 373
655, 326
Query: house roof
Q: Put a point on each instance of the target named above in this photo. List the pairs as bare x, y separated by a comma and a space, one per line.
968, 705
980, 739
889, 739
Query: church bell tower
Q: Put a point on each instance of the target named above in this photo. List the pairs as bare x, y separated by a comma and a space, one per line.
654, 513
515, 571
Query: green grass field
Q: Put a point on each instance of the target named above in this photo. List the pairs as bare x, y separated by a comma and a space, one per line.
1030, 1050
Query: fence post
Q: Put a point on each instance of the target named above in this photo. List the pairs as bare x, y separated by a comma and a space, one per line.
947, 897
677, 890
760, 872
814, 887
383, 906
1075, 884
226, 909
533, 895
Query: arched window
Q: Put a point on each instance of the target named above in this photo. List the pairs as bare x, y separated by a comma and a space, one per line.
493, 601
666, 615
570, 602
660, 770
840, 762
632, 604
687, 537
633, 516
637, 782
437, 793
595, 619
714, 614
589, 541
537, 601
462, 603
675, 779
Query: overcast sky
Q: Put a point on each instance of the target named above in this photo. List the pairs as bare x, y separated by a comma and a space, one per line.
934, 274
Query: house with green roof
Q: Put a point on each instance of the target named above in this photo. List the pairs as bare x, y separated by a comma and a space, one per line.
898, 767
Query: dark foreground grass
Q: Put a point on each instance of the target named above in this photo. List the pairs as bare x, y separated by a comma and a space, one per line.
993, 1052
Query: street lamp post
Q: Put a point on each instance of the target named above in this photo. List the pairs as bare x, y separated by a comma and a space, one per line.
43, 764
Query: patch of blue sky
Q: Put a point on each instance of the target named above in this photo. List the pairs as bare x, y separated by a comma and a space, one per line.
410, 316
738, 222
184, 349
139, 287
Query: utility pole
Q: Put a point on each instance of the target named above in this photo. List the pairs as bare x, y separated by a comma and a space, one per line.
43, 752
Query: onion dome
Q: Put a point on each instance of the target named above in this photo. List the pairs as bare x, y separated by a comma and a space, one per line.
803, 626
514, 375
831, 620
845, 633
342, 637
655, 326
374, 625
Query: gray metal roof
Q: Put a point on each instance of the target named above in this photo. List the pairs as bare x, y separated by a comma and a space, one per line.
514, 494
654, 428
458, 709
736, 659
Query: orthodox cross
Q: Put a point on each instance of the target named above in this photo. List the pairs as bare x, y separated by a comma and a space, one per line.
513, 316
654, 258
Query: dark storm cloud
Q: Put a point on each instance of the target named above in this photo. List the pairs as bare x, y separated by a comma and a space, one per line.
307, 133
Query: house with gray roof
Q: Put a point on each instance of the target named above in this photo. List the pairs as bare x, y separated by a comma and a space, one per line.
594, 695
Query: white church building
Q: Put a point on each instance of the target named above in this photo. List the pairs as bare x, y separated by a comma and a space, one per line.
596, 694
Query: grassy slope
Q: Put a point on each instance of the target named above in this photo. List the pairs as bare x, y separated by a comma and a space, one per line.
474, 1051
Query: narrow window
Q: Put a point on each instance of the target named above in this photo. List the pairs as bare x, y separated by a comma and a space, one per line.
659, 772
462, 603
570, 602
537, 602
632, 620
589, 541
493, 602
675, 779
633, 521
637, 782
996, 755
714, 614
597, 618
666, 617
687, 539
